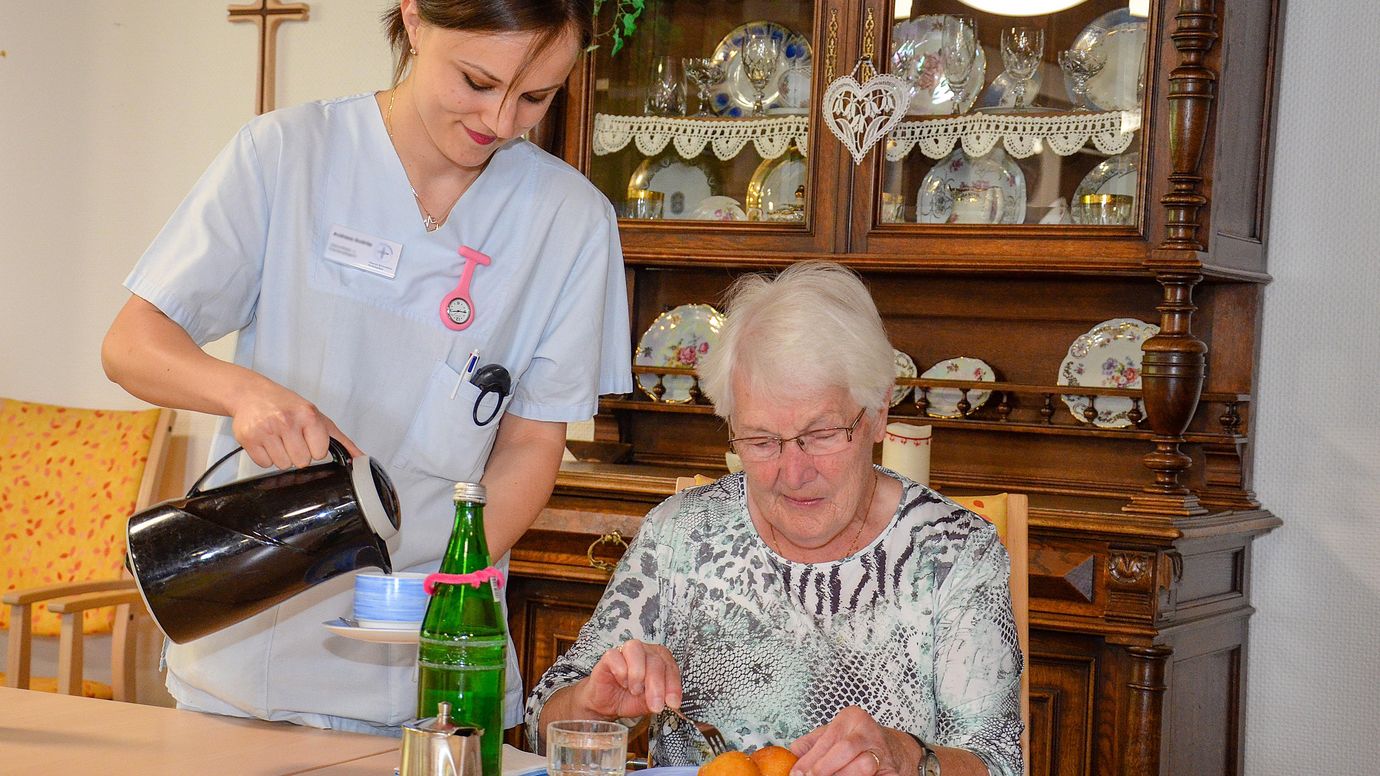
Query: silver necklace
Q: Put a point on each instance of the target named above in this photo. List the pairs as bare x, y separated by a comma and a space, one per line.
428, 221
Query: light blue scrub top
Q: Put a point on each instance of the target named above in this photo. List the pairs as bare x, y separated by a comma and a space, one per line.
244, 252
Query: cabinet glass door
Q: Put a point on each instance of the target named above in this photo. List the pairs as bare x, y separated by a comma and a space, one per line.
702, 118
1014, 120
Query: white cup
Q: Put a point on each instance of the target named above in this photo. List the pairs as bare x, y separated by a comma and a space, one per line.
977, 205
906, 451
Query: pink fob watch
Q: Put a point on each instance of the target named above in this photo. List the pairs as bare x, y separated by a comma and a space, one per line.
457, 307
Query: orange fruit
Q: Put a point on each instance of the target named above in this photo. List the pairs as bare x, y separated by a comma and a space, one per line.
774, 760
730, 764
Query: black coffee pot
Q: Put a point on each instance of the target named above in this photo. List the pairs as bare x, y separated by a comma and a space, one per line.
220, 556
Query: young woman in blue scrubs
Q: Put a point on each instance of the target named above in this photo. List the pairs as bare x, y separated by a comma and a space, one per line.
364, 248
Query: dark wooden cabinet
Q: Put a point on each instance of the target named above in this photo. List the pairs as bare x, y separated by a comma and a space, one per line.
1141, 535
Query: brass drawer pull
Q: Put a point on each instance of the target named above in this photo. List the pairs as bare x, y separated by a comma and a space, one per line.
612, 537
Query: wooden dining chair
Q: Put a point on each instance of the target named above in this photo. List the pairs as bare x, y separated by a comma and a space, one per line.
69, 481
1010, 514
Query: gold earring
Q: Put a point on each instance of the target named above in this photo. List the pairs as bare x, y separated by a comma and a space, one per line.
412, 51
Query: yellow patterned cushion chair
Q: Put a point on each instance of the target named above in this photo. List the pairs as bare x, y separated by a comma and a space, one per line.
69, 480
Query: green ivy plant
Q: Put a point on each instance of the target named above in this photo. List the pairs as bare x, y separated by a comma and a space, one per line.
625, 15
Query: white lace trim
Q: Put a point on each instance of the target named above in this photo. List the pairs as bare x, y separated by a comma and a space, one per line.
770, 135
1022, 136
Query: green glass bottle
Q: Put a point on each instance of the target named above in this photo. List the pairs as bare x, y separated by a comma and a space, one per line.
463, 650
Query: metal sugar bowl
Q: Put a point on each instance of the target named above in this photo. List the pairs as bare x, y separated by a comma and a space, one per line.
435, 746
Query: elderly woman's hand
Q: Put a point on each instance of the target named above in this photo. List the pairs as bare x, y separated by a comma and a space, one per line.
854, 744
633, 679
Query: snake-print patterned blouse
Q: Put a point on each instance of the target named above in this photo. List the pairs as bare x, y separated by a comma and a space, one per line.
915, 628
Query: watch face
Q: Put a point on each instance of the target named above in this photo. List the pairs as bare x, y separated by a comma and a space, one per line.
458, 311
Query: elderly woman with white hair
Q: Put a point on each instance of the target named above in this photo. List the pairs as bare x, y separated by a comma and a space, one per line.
814, 600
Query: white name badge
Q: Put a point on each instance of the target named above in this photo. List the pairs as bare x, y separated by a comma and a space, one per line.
362, 251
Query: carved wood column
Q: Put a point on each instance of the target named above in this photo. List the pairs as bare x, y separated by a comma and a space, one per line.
1140, 753
1175, 361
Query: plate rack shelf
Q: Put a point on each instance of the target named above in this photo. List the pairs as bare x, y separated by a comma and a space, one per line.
1010, 408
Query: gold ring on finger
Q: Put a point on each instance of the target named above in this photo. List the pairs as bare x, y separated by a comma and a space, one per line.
875, 758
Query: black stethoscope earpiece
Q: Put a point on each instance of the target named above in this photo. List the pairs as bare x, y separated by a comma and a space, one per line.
490, 378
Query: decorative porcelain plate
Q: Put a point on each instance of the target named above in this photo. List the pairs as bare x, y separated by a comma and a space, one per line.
917, 56
771, 194
1117, 85
905, 367
718, 208
341, 626
683, 183
679, 337
1108, 356
944, 401
995, 169
735, 95
1114, 175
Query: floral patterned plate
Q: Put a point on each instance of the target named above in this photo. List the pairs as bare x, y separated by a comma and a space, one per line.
679, 337
917, 56
1109, 356
944, 401
994, 169
905, 367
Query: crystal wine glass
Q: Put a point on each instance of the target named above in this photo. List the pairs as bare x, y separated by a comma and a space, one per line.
960, 54
759, 51
1022, 48
1081, 63
705, 73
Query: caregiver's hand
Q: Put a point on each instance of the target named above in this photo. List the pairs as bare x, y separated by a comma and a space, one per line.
279, 428
632, 679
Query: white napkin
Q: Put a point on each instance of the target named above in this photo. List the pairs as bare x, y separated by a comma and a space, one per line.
519, 763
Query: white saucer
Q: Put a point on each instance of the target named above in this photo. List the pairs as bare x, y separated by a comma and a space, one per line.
347, 628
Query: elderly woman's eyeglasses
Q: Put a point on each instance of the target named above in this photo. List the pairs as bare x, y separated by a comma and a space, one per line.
821, 441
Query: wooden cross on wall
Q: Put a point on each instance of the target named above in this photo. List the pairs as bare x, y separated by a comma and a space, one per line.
268, 14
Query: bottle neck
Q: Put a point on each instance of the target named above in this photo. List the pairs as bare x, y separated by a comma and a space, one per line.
468, 550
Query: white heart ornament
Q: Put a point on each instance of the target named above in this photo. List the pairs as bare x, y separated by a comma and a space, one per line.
859, 115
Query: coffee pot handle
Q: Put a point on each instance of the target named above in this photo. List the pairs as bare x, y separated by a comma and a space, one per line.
338, 453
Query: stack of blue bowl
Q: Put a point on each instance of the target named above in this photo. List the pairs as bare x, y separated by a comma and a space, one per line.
390, 600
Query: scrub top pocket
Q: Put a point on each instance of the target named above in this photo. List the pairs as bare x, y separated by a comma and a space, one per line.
443, 440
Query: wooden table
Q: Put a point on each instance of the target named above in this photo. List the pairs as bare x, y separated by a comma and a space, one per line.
49, 733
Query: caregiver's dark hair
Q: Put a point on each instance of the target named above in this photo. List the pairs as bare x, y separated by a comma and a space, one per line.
550, 18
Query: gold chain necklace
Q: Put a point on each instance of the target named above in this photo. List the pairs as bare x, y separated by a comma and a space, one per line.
862, 521
428, 221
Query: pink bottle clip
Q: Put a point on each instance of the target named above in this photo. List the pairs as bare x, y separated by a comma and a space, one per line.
457, 308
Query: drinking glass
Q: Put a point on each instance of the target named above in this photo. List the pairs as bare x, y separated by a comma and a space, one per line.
705, 73
960, 54
665, 92
759, 53
1082, 63
580, 747
645, 204
1103, 209
1022, 48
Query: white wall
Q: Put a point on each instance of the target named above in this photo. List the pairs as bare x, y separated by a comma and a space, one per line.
109, 110
1313, 705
